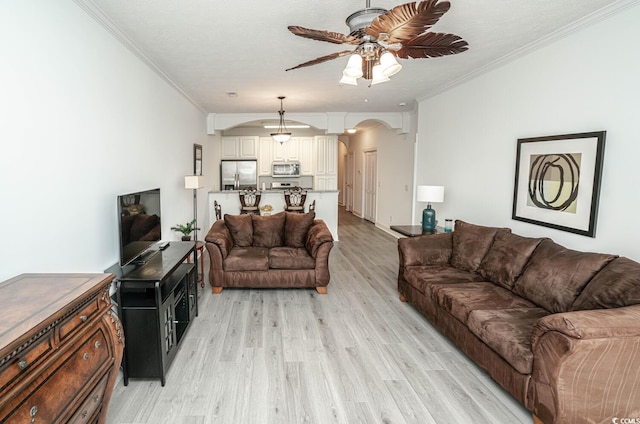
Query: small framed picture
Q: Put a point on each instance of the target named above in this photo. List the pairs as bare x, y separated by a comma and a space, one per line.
197, 159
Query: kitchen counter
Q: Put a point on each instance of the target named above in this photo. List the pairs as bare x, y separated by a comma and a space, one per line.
326, 204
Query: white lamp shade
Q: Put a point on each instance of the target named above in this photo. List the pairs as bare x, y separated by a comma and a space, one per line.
354, 67
377, 75
390, 65
348, 80
430, 194
193, 182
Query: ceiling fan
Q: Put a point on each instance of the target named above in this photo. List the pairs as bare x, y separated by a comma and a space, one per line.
377, 32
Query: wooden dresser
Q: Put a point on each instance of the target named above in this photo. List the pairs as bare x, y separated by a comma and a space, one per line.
60, 348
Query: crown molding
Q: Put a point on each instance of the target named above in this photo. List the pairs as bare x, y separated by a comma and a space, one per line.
95, 12
585, 22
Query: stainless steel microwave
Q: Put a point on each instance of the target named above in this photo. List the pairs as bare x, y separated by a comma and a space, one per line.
285, 169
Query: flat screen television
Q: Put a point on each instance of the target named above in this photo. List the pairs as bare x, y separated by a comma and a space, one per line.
139, 225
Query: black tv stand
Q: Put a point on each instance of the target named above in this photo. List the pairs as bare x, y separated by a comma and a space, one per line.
157, 302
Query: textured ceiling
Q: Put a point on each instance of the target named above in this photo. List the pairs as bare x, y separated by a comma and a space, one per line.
209, 48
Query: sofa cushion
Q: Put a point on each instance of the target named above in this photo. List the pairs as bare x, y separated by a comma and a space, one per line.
247, 259
555, 275
241, 228
296, 227
268, 231
421, 277
616, 285
461, 299
290, 258
432, 249
508, 333
470, 244
507, 257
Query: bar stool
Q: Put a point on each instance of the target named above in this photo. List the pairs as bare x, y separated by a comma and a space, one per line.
250, 201
294, 199
218, 209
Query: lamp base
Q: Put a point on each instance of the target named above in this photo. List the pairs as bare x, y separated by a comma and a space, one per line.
428, 220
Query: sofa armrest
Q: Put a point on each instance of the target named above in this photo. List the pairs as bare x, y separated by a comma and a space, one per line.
425, 250
220, 235
586, 365
317, 235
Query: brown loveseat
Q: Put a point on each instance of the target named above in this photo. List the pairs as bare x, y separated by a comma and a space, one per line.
282, 250
557, 328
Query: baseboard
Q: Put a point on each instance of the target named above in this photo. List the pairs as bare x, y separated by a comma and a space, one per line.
388, 230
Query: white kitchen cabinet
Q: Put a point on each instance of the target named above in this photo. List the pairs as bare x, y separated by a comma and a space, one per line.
326, 172
265, 155
286, 151
244, 147
306, 155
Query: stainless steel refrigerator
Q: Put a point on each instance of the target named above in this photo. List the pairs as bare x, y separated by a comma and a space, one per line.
238, 174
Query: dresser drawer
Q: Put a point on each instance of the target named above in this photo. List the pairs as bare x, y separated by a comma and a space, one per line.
45, 399
25, 360
91, 404
79, 318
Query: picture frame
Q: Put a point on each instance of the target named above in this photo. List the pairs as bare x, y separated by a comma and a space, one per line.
197, 159
557, 181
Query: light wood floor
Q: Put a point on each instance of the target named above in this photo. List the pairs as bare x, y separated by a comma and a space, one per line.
355, 355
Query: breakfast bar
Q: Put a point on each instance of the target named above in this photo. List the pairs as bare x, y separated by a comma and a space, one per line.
326, 205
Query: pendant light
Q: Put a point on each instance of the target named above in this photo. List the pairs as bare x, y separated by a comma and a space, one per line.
282, 134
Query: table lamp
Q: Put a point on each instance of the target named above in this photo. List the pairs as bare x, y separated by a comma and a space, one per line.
194, 182
429, 194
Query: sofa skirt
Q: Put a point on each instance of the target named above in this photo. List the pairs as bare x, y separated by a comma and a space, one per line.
500, 370
274, 278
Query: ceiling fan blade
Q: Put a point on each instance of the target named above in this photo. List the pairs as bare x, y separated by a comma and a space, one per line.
408, 21
320, 35
322, 59
432, 44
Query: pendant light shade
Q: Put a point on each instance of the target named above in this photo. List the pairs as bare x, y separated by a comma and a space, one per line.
282, 134
354, 67
377, 75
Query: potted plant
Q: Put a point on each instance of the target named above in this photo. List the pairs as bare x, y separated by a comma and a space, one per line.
186, 230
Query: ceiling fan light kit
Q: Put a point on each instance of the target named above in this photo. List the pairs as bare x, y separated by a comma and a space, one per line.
282, 134
381, 35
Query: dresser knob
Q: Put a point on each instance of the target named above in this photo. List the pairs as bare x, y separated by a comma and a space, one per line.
84, 414
83, 318
22, 365
85, 356
33, 412
96, 398
98, 345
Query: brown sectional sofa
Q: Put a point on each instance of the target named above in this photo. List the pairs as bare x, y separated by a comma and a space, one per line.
277, 251
557, 328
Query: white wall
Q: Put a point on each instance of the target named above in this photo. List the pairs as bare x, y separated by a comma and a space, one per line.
395, 174
81, 121
587, 81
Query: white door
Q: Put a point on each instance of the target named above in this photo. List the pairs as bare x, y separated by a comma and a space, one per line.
370, 183
348, 178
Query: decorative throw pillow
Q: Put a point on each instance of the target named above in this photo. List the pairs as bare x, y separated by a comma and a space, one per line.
555, 275
268, 231
241, 228
296, 228
615, 286
507, 257
470, 244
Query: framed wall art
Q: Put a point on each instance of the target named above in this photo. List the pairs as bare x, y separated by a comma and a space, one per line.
557, 182
197, 159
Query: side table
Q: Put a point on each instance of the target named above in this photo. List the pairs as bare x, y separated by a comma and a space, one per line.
414, 230
200, 250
